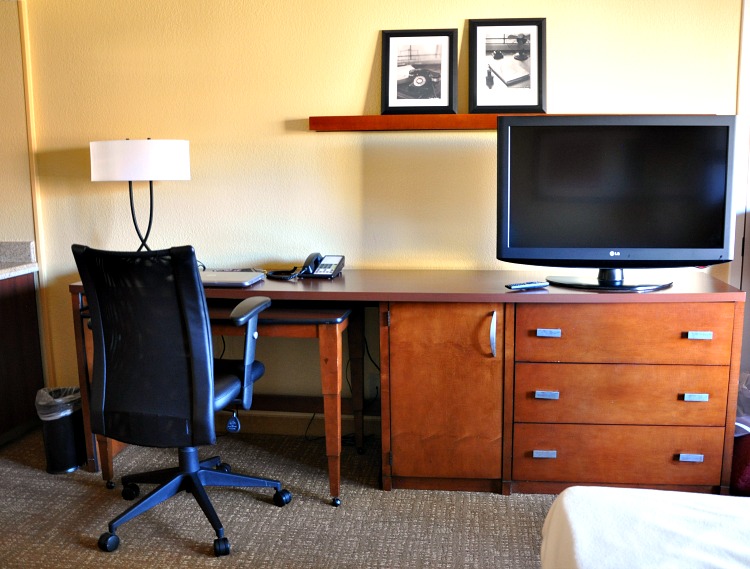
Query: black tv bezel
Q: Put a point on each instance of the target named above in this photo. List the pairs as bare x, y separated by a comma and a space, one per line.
600, 258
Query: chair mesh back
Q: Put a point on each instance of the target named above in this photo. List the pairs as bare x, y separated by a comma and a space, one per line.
152, 380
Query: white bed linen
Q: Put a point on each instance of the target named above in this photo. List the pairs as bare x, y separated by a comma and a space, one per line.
628, 528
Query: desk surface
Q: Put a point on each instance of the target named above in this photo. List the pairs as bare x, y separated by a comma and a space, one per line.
356, 285
466, 286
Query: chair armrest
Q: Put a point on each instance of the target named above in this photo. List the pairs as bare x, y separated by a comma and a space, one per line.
243, 316
249, 308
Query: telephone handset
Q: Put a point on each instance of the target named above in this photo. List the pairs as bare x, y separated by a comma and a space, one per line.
318, 266
315, 266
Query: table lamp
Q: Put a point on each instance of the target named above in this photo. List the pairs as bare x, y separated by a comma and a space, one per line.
140, 161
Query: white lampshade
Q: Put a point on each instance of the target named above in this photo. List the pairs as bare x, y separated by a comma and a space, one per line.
139, 160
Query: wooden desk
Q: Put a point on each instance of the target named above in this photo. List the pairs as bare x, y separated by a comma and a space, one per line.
327, 325
455, 345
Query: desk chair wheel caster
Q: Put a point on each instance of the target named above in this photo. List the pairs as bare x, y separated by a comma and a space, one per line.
108, 542
282, 497
336, 502
110, 484
223, 467
131, 491
221, 546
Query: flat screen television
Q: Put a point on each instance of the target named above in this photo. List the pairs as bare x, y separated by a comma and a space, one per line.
615, 192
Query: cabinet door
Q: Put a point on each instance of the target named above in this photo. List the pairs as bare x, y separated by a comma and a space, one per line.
446, 390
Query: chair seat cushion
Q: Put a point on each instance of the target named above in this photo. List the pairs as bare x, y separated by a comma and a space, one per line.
226, 388
224, 369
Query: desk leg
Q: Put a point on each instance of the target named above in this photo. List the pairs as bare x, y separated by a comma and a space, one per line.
92, 464
106, 457
330, 378
107, 448
355, 335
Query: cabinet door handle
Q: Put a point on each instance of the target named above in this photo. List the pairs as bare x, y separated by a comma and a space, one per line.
540, 394
697, 397
548, 333
700, 335
537, 453
688, 457
493, 334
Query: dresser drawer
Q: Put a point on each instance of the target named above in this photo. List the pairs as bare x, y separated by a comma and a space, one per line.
614, 454
663, 333
621, 394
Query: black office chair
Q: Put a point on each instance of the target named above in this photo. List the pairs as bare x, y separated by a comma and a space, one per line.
155, 382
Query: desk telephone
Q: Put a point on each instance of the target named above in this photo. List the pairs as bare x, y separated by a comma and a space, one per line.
318, 266
315, 266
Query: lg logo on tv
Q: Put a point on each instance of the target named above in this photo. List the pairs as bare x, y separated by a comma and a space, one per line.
614, 253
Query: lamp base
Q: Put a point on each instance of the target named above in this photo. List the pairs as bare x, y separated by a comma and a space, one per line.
141, 236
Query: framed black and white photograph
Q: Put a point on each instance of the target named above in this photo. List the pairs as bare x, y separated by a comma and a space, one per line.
506, 66
419, 71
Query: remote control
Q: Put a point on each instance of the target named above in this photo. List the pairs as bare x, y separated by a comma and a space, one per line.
527, 285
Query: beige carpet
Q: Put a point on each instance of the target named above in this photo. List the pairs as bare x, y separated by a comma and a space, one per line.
55, 520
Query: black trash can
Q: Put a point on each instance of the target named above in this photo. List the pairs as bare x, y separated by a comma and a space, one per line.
62, 428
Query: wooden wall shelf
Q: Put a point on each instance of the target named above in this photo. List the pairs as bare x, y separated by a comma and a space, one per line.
404, 122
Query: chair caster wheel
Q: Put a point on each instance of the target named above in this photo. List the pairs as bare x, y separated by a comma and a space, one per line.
282, 498
336, 502
110, 484
108, 542
131, 491
221, 546
223, 467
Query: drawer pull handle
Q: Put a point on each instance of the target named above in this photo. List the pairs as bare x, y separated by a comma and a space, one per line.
539, 394
493, 334
544, 453
700, 335
548, 333
687, 457
697, 397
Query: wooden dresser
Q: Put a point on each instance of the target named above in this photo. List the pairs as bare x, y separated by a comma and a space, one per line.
543, 390
621, 394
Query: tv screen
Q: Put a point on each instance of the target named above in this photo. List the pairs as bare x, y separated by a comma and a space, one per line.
614, 192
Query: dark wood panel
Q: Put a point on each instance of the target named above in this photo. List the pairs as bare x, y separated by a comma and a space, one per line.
536, 487
21, 374
456, 484
403, 122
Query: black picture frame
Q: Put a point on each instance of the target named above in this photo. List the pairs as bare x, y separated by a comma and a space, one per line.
420, 69
507, 65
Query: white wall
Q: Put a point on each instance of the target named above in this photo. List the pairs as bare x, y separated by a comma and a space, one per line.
16, 214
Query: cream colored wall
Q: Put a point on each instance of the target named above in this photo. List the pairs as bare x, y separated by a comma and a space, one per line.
16, 214
239, 79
